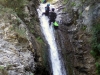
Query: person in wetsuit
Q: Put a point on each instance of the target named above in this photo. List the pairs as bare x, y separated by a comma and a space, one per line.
47, 9
52, 16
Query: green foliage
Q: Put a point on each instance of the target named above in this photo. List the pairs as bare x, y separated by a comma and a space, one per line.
83, 27
21, 32
32, 31
41, 1
95, 43
5, 13
97, 27
80, 13
6, 9
95, 52
16, 5
73, 4
40, 39
64, 10
83, 1
65, 1
3, 70
98, 68
1, 67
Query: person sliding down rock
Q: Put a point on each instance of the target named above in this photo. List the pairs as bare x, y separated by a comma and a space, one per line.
47, 9
52, 17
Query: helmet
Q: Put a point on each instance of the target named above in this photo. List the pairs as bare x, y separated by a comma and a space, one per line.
48, 4
53, 9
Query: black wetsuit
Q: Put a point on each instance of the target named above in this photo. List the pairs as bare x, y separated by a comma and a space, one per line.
47, 9
52, 17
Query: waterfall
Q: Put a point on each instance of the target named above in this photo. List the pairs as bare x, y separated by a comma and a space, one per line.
48, 32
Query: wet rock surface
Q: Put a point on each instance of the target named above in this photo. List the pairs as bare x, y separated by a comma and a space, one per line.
74, 36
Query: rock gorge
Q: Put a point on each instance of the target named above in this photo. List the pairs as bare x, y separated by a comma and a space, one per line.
23, 49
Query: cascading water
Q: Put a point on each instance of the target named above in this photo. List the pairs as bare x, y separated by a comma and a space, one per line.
47, 30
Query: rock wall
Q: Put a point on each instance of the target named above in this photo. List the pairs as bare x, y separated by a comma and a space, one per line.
21, 48
16, 56
74, 34
37, 39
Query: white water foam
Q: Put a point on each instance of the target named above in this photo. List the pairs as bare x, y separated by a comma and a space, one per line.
49, 35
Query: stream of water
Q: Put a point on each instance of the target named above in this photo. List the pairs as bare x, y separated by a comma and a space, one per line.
48, 32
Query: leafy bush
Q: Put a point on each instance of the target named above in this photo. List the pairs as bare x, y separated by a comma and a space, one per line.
16, 5
95, 44
65, 1
40, 39
3, 71
95, 52
97, 27
98, 68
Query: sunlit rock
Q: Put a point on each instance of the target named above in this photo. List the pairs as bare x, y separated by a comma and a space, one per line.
15, 50
87, 8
